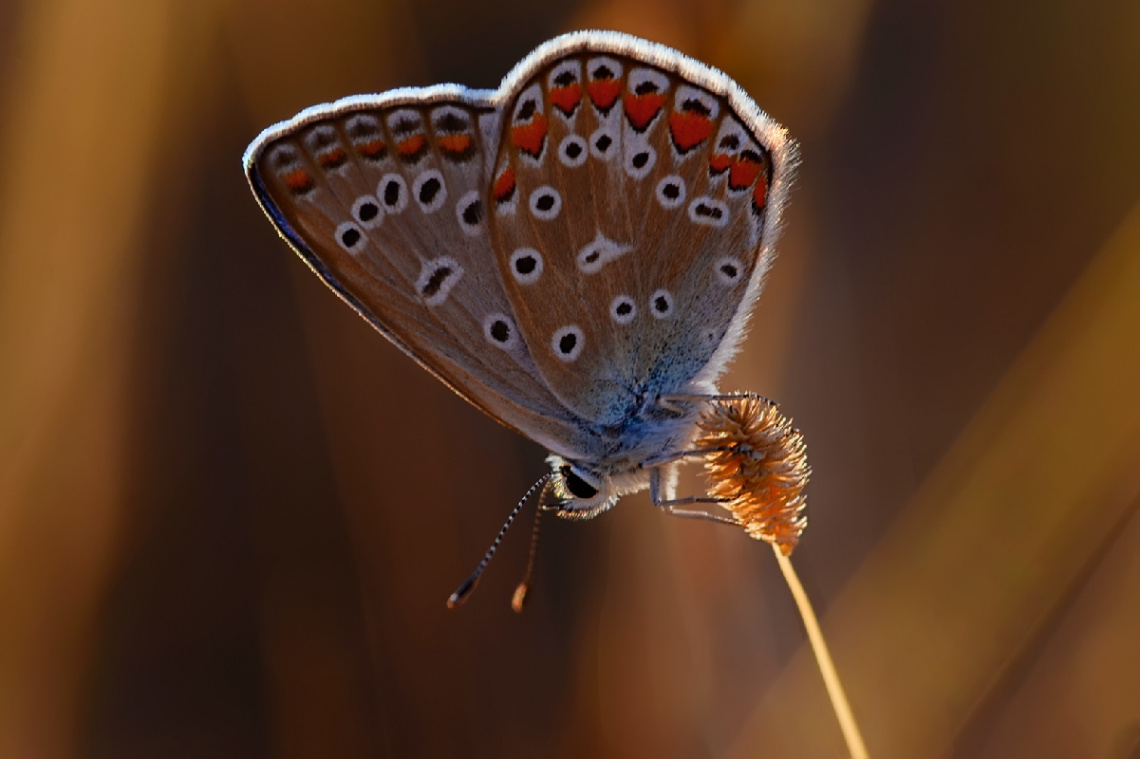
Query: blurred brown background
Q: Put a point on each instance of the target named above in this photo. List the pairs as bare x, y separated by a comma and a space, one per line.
230, 513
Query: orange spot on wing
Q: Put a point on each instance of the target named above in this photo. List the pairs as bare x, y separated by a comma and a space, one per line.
298, 180
455, 143
332, 159
530, 137
743, 173
641, 109
412, 145
604, 92
372, 149
566, 98
689, 129
760, 194
719, 162
504, 186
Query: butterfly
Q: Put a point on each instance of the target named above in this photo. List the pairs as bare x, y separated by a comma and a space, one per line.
575, 253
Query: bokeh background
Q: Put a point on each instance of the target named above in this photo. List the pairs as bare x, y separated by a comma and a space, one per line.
230, 513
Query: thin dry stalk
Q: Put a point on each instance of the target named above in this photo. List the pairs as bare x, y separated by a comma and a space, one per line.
757, 461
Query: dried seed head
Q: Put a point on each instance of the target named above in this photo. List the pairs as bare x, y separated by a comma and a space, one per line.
758, 461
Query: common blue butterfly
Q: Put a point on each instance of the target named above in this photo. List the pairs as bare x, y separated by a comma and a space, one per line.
575, 253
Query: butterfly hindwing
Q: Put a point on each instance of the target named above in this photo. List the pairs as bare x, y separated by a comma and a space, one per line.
645, 194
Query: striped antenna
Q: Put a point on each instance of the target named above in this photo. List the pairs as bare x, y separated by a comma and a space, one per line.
464, 590
518, 601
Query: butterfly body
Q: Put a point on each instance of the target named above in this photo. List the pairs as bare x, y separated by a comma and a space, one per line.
575, 253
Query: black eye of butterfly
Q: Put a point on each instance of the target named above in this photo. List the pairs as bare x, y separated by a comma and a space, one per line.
578, 487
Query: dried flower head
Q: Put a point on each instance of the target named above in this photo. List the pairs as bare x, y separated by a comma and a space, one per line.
756, 460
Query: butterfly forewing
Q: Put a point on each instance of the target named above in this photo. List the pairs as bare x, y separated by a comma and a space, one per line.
388, 205
644, 198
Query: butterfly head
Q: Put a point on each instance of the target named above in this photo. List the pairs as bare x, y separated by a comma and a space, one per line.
578, 493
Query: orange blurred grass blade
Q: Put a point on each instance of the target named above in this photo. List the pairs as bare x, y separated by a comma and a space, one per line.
81, 130
1013, 515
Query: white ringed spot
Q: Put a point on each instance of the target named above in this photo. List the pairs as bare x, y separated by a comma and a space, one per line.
429, 191
393, 192
469, 212
639, 162
711, 213
573, 151
623, 310
350, 237
437, 278
567, 342
500, 331
729, 271
661, 304
545, 203
366, 210
671, 191
526, 266
603, 144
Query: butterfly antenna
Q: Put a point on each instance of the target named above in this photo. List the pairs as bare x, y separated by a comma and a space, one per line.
464, 590
518, 601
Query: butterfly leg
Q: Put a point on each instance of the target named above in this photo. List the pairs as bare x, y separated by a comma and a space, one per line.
670, 401
673, 505
692, 453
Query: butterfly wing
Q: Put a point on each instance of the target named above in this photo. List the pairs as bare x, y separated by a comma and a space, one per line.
471, 228
635, 201
385, 198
